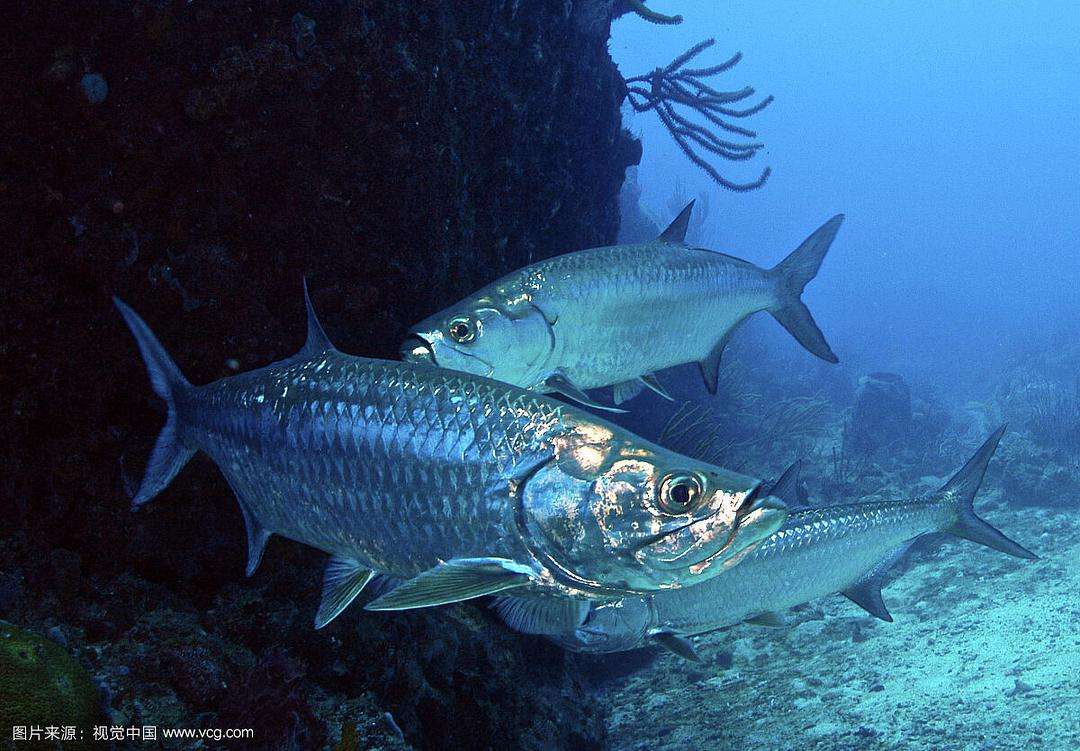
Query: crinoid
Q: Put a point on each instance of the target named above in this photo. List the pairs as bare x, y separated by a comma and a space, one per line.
674, 85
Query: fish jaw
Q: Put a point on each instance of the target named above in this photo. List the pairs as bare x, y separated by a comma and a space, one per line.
592, 519
415, 349
754, 520
497, 333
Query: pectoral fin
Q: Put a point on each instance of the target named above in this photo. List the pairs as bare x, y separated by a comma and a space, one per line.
342, 582
679, 645
560, 384
453, 581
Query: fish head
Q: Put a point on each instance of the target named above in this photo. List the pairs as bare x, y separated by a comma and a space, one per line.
492, 335
615, 626
613, 514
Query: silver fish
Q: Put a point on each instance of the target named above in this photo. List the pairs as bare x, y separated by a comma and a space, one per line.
616, 315
843, 549
460, 486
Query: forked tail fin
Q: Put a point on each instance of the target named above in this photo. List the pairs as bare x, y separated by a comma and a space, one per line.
961, 490
169, 454
792, 275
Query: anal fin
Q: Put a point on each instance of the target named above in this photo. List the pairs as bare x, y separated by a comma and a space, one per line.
677, 644
257, 537
453, 581
866, 592
541, 615
343, 580
627, 390
710, 366
653, 383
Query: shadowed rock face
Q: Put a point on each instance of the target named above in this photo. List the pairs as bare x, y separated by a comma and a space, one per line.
198, 160
881, 415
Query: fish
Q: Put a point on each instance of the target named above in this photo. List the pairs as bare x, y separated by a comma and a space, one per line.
613, 316
453, 486
819, 551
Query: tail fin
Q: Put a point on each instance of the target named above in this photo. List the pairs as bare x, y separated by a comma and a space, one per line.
792, 275
961, 490
169, 454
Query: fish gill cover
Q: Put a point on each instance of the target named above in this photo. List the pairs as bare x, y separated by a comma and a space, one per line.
199, 159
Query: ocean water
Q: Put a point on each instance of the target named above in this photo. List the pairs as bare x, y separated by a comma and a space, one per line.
208, 163
954, 270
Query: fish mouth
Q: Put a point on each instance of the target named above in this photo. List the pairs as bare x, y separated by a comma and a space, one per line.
416, 348
754, 521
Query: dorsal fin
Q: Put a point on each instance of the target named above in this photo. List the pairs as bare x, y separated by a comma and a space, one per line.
786, 488
317, 340
676, 231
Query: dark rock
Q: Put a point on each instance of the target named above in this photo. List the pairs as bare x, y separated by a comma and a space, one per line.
881, 416
398, 154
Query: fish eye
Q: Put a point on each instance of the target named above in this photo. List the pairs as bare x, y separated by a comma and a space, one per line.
680, 493
462, 330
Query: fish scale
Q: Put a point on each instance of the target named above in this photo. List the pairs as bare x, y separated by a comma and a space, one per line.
457, 486
614, 316
705, 291
846, 548
829, 547
348, 442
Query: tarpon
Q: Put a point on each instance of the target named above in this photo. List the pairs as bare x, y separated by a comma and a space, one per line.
615, 315
459, 486
821, 551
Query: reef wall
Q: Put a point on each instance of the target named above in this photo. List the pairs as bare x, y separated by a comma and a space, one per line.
197, 160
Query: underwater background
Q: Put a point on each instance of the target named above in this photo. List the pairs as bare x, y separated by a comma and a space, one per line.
200, 159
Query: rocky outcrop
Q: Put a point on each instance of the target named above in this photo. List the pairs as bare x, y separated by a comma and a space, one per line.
198, 160
881, 416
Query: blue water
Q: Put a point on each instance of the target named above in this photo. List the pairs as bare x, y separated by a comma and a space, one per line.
199, 160
949, 134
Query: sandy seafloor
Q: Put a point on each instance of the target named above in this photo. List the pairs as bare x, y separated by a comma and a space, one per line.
984, 653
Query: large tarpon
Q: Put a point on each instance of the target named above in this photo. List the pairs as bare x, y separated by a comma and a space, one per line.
616, 315
843, 549
460, 486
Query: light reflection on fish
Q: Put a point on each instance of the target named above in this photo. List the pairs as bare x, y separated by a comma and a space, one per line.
459, 486
616, 315
819, 551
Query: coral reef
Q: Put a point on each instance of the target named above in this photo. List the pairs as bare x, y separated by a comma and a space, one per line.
42, 685
638, 8
675, 85
881, 416
199, 159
